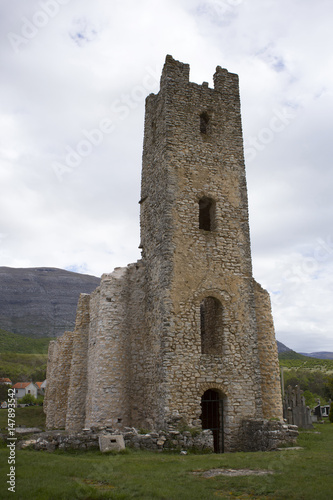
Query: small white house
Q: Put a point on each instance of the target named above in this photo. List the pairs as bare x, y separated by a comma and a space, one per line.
23, 388
5, 381
41, 387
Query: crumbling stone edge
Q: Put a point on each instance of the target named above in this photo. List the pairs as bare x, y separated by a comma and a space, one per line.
266, 435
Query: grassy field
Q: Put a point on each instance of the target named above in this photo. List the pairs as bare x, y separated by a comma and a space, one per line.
22, 358
13, 342
298, 474
30, 416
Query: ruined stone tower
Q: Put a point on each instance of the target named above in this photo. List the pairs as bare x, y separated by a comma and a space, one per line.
185, 335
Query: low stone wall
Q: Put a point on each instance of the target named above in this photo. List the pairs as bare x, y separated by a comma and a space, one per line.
255, 435
154, 441
266, 435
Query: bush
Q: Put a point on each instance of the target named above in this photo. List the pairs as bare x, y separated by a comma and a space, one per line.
330, 416
40, 400
28, 399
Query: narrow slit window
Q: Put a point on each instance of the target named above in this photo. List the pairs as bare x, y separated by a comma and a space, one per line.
204, 123
206, 214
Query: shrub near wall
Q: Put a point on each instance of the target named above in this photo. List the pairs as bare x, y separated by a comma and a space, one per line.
330, 416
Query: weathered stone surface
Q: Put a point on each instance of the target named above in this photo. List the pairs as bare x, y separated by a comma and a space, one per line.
268, 355
53, 440
114, 442
295, 410
265, 435
41, 301
158, 340
27, 430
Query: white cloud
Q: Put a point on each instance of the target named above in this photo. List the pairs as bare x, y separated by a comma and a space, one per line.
67, 73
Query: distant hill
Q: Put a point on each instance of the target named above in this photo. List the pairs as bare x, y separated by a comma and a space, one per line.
283, 348
41, 302
287, 353
319, 355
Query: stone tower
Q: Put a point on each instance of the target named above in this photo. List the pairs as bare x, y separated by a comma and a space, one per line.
185, 336
196, 248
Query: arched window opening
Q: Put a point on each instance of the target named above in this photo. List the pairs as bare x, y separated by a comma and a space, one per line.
206, 214
211, 326
204, 123
212, 417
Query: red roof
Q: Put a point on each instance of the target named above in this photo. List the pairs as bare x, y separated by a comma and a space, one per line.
21, 385
39, 384
3, 380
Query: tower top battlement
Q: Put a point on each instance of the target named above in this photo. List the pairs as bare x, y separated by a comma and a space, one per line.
177, 72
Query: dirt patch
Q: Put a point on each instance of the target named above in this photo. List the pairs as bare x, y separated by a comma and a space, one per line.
232, 472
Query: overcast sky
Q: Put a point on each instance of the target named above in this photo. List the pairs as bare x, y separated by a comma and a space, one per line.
74, 76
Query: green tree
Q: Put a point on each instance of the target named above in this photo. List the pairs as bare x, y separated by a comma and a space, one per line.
27, 399
312, 399
4, 392
315, 382
329, 388
40, 400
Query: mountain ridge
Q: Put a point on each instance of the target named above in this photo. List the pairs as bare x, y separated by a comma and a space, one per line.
285, 352
41, 301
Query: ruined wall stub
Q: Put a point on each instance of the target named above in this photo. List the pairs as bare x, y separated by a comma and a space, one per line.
108, 362
268, 355
58, 376
78, 380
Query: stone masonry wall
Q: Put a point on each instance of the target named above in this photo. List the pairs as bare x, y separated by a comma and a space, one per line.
62, 374
108, 362
58, 376
153, 441
143, 354
186, 264
50, 400
268, 356
122, 355
254, 435
78, 382
51, 387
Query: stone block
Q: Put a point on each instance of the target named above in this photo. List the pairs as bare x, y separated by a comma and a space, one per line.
111, 443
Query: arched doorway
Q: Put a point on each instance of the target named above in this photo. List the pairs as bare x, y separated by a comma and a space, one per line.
212, 417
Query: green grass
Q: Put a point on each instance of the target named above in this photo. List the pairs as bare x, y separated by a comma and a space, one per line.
23, 367
23, 358
305, 474
13, 342
30, 416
